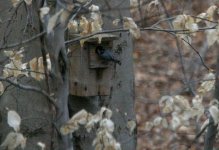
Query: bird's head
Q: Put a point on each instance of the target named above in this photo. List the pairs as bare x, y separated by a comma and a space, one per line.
99, 50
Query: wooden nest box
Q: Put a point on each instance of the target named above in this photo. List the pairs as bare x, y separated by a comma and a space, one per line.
89, 74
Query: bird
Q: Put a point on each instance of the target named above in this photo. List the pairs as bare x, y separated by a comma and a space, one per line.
106, 54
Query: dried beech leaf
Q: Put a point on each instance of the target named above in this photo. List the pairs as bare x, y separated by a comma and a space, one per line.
166, 104
164, 123
73, 124
14, 120
212, 36
84, 26
183, 22
15, 2
200, 17
1, 88
175, 122
207, 85
157, 121
82, 1
131, 125
128, 23
107, 124
41, 68
210, 12
43, 11
41, 145
116, 22
152, 4
33, 67
73, 27
96, 19
148, 126
13, 140
28, 2
181, 102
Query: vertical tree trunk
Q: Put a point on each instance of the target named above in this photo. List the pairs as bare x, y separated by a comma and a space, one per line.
121, 99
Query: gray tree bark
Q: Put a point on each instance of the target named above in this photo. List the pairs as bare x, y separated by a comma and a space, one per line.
121, 99
38, 123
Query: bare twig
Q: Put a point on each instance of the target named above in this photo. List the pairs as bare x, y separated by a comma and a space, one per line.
30, 88
23, 42
198, 55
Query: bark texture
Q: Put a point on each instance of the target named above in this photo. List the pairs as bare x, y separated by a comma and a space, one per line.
121, 99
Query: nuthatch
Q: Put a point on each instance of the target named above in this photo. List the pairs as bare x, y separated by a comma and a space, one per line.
106, 54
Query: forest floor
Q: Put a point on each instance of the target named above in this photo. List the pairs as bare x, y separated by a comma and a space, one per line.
158, 72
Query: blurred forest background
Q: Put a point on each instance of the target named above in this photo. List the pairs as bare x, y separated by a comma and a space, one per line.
160, 70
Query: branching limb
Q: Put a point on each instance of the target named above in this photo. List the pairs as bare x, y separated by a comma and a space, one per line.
30, 88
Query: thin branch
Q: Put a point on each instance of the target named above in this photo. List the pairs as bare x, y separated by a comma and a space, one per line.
198, 55
198, 135
179, 48
30, 88
142, 29
23, 42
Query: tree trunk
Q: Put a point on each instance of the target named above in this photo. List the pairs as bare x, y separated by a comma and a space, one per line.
121, 99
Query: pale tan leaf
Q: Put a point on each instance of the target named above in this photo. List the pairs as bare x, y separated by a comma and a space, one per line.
73, 124
82, 43
175, 122
131, 125
85, 26
181, 102
179, 22
1, 88
157, 121
15, 2
148, 126
210, 12
13, 140
164, 123
73, 26
96, 19
133, 3
7, 72
41, 145
207, 85
107, 124
183, 22
153, 4
166, 104
212, 36
116, 22
28, 2
128, 23
43, 11
9, 53
184, 129
14, 120
33, 67
200, 17
82, 1
41, 71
